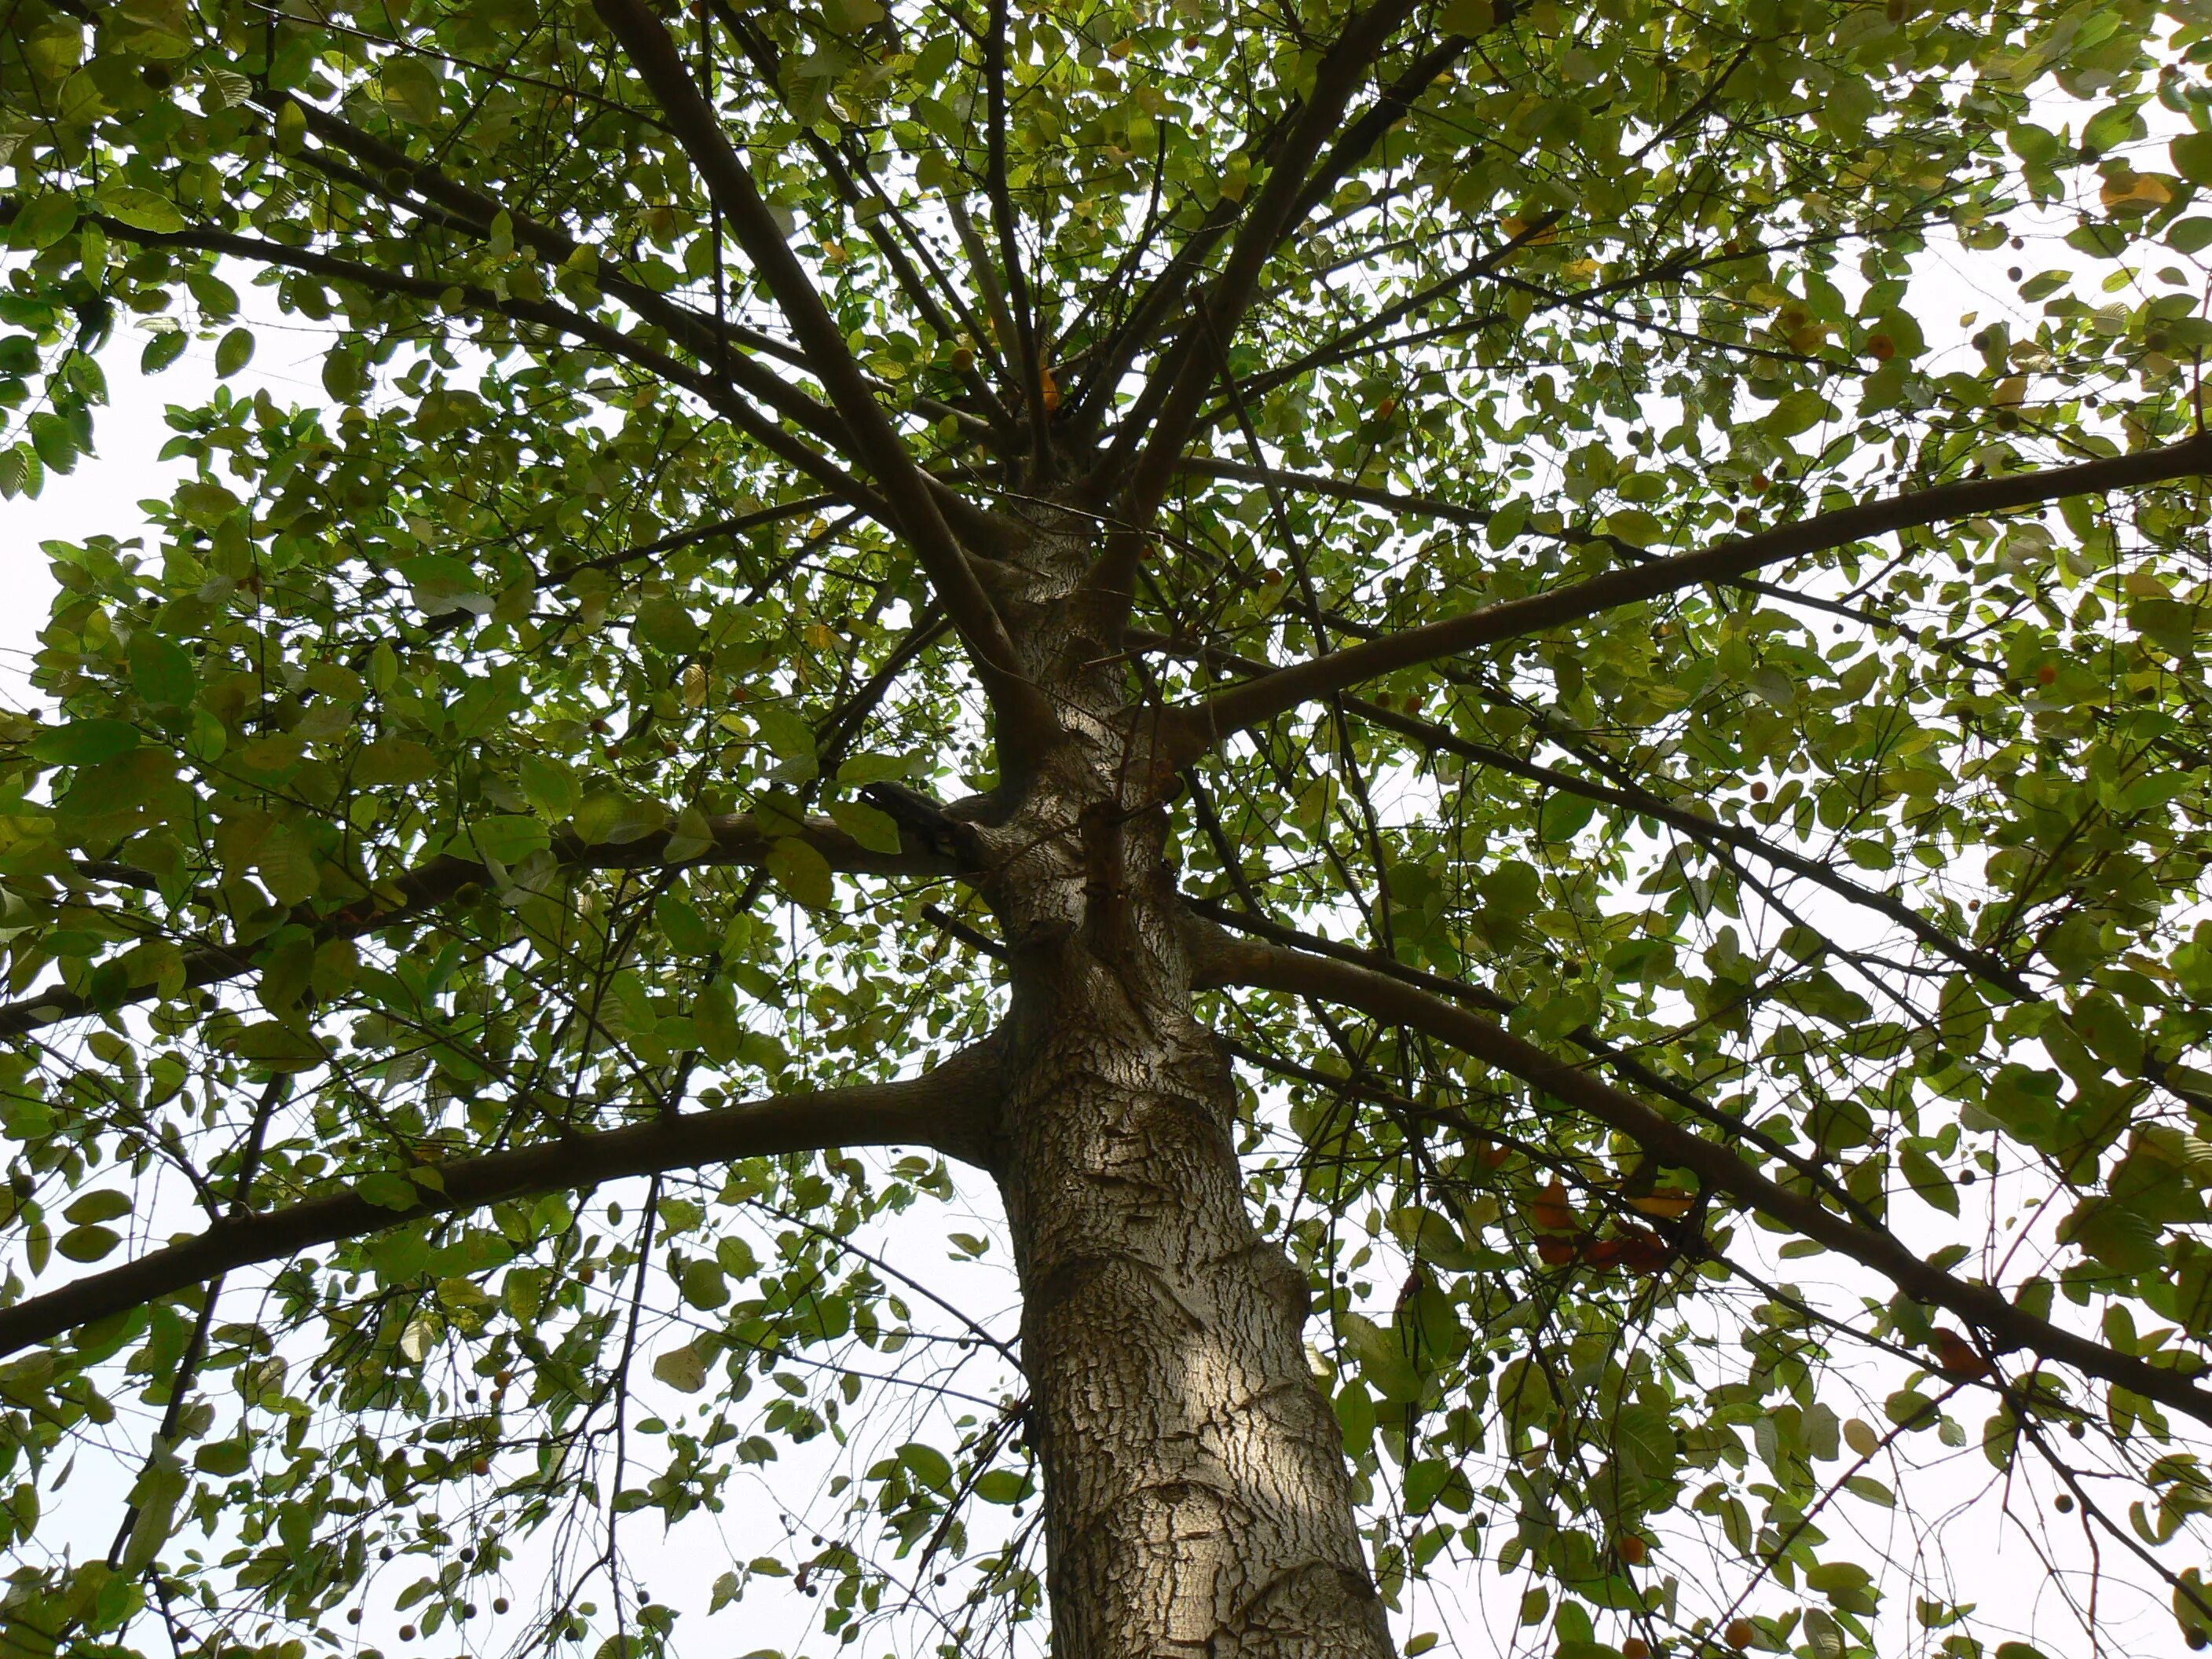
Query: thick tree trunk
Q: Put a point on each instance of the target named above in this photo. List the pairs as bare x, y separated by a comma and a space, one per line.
1197, 1497
1195, 1491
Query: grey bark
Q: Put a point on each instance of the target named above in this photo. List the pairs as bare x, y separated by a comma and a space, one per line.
1196, 1496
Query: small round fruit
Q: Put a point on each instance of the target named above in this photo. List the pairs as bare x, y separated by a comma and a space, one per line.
2063, 1503
1636, 1648
1740, 1633
1632, 1550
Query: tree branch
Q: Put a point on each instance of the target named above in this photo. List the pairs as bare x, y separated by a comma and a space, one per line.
1224, 961
1197, 728
951, 1109
1029, 367
880, 448
1583, 1036
738, 839
702, 335
1473, 518
540, 313
1187, 370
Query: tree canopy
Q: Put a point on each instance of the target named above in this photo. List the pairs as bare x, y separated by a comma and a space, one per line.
1385, 689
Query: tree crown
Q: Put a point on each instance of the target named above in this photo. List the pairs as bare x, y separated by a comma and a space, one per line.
1671, 758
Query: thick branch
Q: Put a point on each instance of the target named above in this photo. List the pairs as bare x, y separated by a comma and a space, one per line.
737, 839
950, 1109
1029, 366
1187, 368
704, 337
1224, 962
1583, 1036
729, 183
1201, 725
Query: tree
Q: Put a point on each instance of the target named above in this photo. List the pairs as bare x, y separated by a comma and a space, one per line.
1382, 666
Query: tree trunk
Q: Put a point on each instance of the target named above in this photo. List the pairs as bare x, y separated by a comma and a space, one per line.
1196, 1497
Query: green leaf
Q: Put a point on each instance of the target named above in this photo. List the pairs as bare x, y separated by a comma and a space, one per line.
87, 1244
617, 820
703, 1284
276, 1047
223, 1458
387, 1190
103, 1206
141, 209
394, 760
44, 222
877, 831
681, 1369
928, 1465
549, 786
1564, 815
54, 440
666, 625
84, 742
2192, 156
785, 733
802, 874
1928, 1180
162, 670
510, 839
232, 352
162, 350
1799, 411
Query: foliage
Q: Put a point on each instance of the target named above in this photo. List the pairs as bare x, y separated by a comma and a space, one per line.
524, 739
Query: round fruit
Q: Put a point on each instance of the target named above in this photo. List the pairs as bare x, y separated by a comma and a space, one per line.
1636, 1648
1632, 1550
1740, 1633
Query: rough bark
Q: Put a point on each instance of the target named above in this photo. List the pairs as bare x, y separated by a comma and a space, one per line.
1196, 1497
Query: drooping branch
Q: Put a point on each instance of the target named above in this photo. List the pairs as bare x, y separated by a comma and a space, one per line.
729, 183
1631, 798
738, 839
949, 1109
1621, 1060
1196, 727
1224, 962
